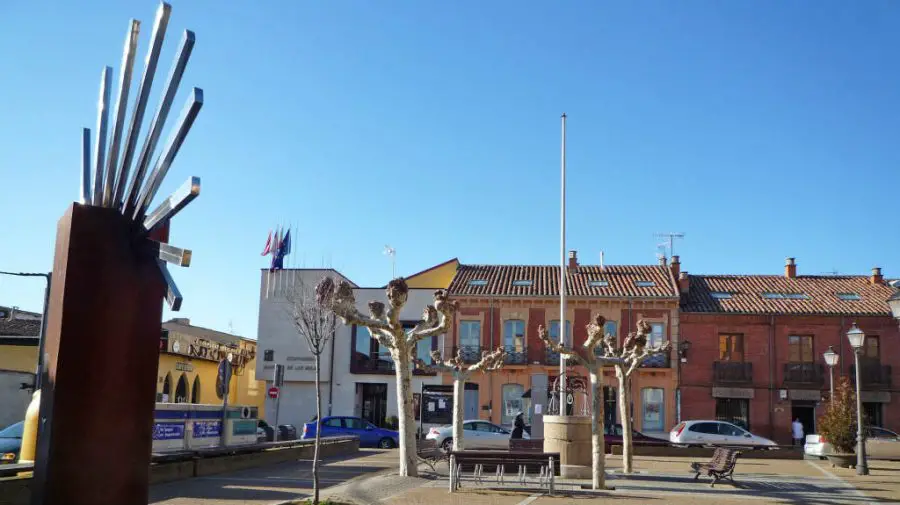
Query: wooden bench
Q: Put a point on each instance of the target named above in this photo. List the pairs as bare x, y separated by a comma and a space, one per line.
526, 445
545, 466
428, 452
720, 467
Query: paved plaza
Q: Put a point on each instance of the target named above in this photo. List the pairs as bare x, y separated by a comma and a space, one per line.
371, 478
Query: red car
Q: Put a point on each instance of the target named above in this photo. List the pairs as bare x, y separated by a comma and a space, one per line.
613, 436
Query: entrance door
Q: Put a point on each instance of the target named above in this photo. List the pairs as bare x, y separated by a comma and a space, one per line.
609, 407
470, 401
374, 403
806, 412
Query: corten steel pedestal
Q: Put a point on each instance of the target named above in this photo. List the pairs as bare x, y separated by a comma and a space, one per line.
101, 362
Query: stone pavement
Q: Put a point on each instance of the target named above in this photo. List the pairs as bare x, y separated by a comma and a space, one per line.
274, 484
668, 481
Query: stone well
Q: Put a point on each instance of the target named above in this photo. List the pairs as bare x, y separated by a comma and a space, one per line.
570, 436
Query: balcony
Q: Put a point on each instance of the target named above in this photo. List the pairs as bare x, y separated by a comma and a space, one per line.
810, 375
732, 372
551, 358
469, 353
874, 375
362, 363
656, 361
515, 356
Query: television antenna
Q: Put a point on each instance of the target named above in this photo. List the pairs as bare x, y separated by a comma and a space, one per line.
670, 237
390, 251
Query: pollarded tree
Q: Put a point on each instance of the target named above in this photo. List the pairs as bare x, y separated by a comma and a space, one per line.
633, 352
594, 364
384, 325
490, 360
316, 325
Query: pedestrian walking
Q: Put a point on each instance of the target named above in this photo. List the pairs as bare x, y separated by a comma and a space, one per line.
797, 432
518, 426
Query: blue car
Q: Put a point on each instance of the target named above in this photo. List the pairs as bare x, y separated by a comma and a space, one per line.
369, 434
11, 442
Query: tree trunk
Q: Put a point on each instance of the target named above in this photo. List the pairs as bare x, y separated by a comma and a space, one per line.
625, 414
598, 449
459, 386
407, 428
318, 434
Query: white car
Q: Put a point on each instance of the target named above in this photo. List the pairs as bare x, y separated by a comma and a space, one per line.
880, 444
714, 433
477, 434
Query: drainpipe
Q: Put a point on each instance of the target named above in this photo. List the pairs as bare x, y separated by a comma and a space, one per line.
772, 363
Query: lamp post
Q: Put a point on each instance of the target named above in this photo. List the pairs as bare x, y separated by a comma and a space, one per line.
857, 338
831, 359
38, 379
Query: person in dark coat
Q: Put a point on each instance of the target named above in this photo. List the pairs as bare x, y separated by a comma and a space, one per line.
518, 427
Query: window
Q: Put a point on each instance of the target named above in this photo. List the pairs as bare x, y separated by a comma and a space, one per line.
657, 335
512, 402
269, 355
363, 341
849, 297
720, 295
644, 284
796, 296
705, 428
514, 335
423, 350
881, 433
652, 400
598, 283
872, 348
470, 333
785, 296
612, 328
469, 426
478, 282
485, 427
735, 411
334, 422
873, 414
554, 331
354, 423
731, 347
195, 390
800, 349
730, 430
773, 296
521, 282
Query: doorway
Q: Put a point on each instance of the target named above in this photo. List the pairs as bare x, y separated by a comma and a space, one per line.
805, 411
609, 406
181, 392
470, 401
373, 399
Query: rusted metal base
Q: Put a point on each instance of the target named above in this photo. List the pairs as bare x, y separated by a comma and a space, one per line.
101, 358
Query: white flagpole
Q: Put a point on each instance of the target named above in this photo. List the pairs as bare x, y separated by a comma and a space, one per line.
267, 270
562, 273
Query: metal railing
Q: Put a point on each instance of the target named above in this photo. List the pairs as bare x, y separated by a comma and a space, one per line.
732, 372
551, 358
515, 357
469, 353
874, 374
656, 361
812, 374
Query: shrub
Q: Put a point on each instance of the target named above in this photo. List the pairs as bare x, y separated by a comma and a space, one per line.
838, 424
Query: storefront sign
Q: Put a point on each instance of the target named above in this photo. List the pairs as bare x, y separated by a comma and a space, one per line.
205, 429
168, 431
812, 395
741, 393
184, 367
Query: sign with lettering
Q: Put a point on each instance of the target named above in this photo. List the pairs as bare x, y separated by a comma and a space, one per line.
740, 393
206, 429
168, 431
184, 367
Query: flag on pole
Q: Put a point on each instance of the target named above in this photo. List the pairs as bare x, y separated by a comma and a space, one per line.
282, 241
268, 249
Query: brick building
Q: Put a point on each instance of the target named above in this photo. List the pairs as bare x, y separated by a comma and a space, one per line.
503, 305
757, 344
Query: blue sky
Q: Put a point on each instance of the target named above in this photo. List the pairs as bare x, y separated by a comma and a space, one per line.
760, 129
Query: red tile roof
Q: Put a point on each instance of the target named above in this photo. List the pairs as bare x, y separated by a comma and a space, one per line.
498, 281
19, 327
747, 295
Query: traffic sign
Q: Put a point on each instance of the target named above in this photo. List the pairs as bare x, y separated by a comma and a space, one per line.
273, 392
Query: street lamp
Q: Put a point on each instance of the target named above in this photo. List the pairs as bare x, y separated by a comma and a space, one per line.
831, 359
40, 361
857, 338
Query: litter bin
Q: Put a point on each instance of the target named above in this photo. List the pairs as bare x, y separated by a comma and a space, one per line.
287, 432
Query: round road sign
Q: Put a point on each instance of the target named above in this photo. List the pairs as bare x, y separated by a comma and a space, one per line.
273, 392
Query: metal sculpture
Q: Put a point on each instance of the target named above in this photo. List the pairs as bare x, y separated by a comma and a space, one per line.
99, 372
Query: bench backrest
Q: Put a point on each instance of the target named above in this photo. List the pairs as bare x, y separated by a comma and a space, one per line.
528, 445
723, 459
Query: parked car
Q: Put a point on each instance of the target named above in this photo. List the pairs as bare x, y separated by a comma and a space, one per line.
612, 435
369, 434
880, 444
268, 433
715, 433
11, 442
478, 434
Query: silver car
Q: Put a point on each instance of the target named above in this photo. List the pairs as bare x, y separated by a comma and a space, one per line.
477, 434
714, 433
880, 444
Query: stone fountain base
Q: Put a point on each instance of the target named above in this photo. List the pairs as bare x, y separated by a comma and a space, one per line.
570, 436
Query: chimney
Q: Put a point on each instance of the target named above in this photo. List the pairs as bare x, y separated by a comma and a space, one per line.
573, 260
790, 268
662, 260
12, 313
876, 278
684, 283
601, 261
676, 266
181, 320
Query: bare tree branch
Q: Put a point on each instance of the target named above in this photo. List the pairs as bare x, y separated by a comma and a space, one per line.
436, 319
561, 349
340, 300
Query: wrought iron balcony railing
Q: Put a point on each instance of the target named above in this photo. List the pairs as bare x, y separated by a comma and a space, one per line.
809, 374
656, 361
469, 353
732, 372
515, 356
551, 358
874, 374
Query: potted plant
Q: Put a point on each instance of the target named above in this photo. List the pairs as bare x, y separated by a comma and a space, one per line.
837, 426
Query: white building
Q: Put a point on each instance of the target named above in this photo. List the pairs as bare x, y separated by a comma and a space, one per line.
357, 378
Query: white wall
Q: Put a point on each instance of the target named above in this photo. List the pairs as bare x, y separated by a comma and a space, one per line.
276, 332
